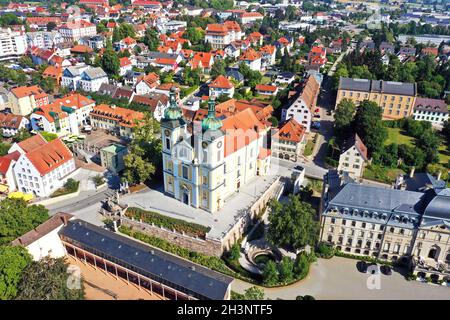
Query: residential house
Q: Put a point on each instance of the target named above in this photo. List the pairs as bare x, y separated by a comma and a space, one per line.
285, 78
203, 61
256, 38
252, 59
22, 100
54, 73
250, 17
157, 102
303, 107
317, 56
221, 35
7, 179
289, 140
268, 56
353, 157
119, 121
44, 39
84, 77
43, 167
125, 66
11, 123
147, 84
221, 86
431, 110
266, 90
72, 31
387, 48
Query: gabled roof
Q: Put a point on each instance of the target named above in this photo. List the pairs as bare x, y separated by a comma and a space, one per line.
49, 156
32, 143
221, 82
433, 105
250, 55
265, 87
291, 130
125, 117
9, 120
25, 91
124, 62
356, 142
7, 160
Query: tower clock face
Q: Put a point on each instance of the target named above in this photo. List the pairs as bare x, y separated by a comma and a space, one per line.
167, 133
219, 144
204, 144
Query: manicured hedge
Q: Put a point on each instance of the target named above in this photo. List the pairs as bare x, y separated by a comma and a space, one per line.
191, 229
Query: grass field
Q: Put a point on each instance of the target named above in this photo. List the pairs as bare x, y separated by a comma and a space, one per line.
309, 148
395, 136
381, 174
265, 80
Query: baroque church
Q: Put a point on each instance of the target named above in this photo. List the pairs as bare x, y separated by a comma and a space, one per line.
206, 162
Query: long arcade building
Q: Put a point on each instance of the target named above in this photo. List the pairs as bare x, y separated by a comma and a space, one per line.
157, 271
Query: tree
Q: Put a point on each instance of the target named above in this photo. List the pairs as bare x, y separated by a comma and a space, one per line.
446, 131
235, 252
270, 273
51, 26
110, 62
151, 39
8, 19
369, 126
343, 116
137, 170
194, 35
17, 218
254, 293
13, 260
21, 135
47, 279
292, 224
286, 268
218, 68
274, 121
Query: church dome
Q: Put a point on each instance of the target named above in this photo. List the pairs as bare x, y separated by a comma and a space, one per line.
211, 122
173, 112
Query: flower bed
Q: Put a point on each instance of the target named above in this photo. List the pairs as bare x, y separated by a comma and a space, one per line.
70, 186
189, 228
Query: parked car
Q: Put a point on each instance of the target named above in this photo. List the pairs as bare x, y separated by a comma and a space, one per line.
315, 125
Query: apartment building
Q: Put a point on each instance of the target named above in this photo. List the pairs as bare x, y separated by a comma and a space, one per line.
303, 107
13, 44
407, 224
396, 99
44, 39
431, 110
22, 100
83, 77
221, 35
119, 121
289, 141
43, 166
75, 30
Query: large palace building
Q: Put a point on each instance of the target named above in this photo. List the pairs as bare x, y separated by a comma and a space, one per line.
409, 223
206, 162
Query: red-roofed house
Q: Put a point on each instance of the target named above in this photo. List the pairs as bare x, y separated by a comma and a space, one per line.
7, 180
250, 17
23, 100
317, 56
147, 84
289, 140
221, 35
10, 124
125, 66
353, 157
252, 59
268, 56
44, 168
256, 38
266, 90
221, 86
75, 30
202, 60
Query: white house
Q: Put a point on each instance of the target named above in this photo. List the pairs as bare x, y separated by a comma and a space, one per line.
252, 58
83, 77
432, 110
302, 109
44, 241
10, 124
125, 66
74, 30
353, 157
147, 84
221, 86
43, 167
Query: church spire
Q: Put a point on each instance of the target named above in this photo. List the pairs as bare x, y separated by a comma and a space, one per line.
173, 112
211, 122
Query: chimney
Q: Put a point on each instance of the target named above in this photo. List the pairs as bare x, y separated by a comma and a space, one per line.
439, 175
411, 173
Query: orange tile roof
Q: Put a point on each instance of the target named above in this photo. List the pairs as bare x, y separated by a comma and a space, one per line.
32, 143
9, 120
221, 82
79, 48
52, 72
240, 130
124, 62
25, 91
216, 28
310, 92
202, 59
49, 156
268, 49
166, 61
291, 130
51, 108
128, 40
265, 87
125, 117
250, 55
150, 79
232, 25
74, 100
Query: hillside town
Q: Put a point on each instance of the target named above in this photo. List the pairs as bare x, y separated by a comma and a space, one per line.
225, 150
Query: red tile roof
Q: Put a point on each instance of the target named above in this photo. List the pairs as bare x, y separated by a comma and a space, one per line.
32, 143
9, 120
221, 82
49, 156
265, 87
21, 92
292, 131
250, 55
6, 160
124, 62
125, 117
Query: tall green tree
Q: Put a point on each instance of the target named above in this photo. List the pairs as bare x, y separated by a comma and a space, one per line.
270, 273
369, 126
110, 62
13, 261
48, 279
292, 224
218, 68
343, 116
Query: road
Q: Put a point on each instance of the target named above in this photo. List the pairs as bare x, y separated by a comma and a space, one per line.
338, 278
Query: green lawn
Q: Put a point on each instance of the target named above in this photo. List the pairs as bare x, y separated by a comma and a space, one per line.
381, 174
444, 154
265, 80
309, 148
395, 136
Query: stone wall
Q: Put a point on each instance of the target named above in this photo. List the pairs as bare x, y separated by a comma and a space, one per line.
208, 246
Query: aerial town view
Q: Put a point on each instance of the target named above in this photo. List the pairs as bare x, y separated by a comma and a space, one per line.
224, 150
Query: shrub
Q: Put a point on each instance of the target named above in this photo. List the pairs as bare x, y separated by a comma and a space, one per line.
98, 180
235, 252
325, 251
70, 186
192, 229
